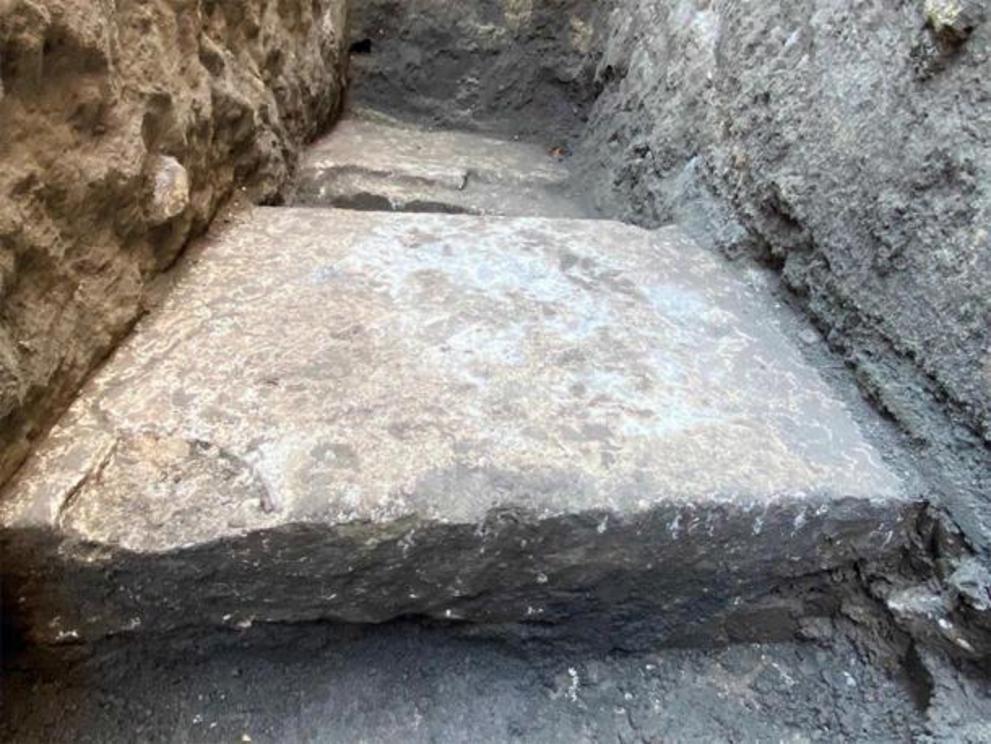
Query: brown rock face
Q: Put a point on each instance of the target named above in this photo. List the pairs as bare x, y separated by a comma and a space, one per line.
123, 127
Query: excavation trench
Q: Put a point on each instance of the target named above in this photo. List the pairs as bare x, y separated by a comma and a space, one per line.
544, 433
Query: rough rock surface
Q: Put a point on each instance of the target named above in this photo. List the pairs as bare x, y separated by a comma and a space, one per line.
371, 162
362, 416
510, 66
849, 144
123, 126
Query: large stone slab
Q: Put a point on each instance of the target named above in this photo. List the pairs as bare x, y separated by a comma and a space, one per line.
374, 163
358, 416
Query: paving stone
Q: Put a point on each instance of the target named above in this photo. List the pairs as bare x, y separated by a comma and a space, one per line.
376, 164
359, 416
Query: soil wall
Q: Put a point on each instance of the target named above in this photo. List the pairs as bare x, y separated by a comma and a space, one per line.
124, 126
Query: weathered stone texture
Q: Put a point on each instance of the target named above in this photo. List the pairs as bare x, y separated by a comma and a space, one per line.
123, 127
361, 416
372, 162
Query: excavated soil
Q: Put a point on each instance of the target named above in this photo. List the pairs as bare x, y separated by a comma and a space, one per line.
409, 683
125, 127
845, 150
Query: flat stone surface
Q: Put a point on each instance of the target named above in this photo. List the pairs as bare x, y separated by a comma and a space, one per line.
373, 163
359, 416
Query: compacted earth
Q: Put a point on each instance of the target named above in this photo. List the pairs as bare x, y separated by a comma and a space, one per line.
410, 683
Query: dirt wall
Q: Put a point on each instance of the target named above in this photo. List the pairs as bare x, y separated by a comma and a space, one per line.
515, 67
124, 126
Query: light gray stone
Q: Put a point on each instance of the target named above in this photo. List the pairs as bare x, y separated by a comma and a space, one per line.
169, 190
371, 162
359, 416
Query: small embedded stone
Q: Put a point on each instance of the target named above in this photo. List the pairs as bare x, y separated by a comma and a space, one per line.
169, 190
955, 20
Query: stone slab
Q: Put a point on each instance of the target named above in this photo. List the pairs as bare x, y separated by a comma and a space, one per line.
373, 163
359, 416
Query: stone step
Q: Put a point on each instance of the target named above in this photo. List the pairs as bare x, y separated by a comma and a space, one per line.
358, 416
372, 163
